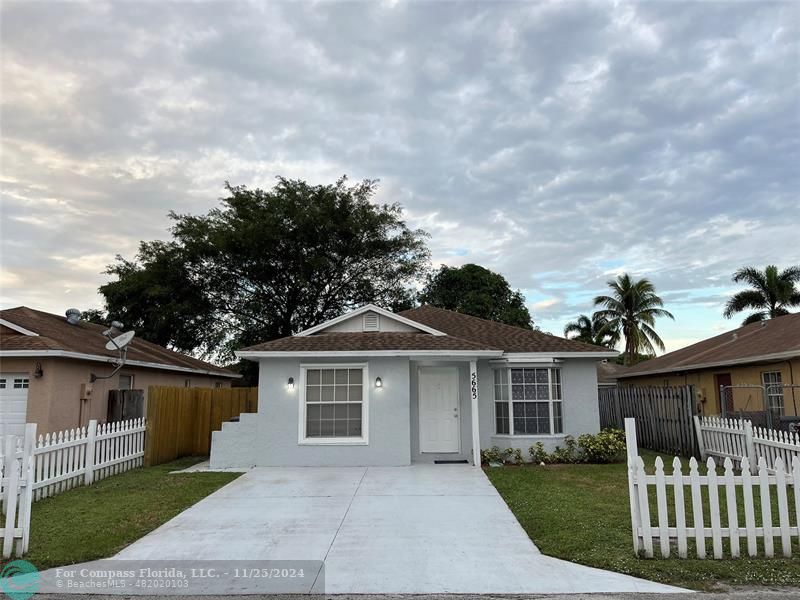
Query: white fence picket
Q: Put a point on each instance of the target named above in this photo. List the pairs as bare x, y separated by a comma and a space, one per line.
771, 473
67, 459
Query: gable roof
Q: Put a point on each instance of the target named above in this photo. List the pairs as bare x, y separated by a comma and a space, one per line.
364, 309
508, 338
439, 332
51, 335
776, 339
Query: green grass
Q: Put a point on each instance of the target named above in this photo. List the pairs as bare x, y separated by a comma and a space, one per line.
96, 521
581, 513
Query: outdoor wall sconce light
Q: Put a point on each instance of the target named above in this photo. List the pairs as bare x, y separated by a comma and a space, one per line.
378, 382
38, 372
290, 384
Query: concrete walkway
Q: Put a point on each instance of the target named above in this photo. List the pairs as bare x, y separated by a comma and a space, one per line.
424, 529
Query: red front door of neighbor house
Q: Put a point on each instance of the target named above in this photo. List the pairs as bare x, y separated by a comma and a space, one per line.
724, 379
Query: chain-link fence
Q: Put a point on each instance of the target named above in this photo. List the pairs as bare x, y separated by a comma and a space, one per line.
765, 405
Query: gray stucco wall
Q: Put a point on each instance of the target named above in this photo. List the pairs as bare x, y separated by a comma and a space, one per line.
270, 438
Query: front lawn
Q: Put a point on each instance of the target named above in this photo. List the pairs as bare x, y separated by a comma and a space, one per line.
581, 513
98, 520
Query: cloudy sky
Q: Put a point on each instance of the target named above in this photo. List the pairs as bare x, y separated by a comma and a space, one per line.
557, 143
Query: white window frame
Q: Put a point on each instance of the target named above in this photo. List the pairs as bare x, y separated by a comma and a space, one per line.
510, 403
768, 395
132, 380
334, 441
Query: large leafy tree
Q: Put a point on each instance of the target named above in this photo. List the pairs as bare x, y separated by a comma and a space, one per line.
631, 309
592, 330
266, 264
771, 293
476, 291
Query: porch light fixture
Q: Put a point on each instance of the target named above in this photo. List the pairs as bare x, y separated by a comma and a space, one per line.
378, 382
290, 384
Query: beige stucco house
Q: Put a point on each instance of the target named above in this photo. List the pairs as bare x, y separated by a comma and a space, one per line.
46, 365
741, 370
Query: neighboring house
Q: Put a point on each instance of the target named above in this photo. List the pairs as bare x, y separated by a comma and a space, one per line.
761, 354
608, 372
373, 387
46, 365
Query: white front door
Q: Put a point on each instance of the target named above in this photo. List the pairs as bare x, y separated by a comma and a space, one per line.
439, 422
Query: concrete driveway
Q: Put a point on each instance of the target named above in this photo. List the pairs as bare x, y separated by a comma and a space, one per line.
379, 530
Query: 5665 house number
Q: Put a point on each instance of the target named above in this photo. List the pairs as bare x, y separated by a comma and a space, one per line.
474, 384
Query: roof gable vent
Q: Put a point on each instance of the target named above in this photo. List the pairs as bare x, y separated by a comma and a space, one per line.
371, 322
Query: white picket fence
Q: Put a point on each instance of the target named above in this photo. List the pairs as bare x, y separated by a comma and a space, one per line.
736, 439
703, 497
76, 457
16, 468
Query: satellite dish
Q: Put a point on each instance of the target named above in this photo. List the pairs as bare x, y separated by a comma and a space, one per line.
119, 342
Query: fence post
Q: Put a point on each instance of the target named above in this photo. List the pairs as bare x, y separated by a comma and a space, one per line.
9, 454
91, 438
632, 453
698, 427
750, 446
28, 475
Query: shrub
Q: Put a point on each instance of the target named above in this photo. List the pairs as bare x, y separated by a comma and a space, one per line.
568, 454
608, 446
493, 455
539, 454
514, 456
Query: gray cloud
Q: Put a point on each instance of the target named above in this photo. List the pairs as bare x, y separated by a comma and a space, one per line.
554, 142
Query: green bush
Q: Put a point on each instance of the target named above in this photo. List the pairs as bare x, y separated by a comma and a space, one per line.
608, 446
568, 454
538, 454
493, 455
514, 456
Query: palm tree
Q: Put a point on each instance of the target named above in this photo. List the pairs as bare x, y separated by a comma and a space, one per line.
772, 293
592, 330
631, 310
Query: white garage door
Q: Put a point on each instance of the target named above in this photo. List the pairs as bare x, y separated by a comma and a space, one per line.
13, 403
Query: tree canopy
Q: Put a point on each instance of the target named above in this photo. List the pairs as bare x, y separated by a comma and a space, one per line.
771, 294
592, 330
477, 291
266, 264
631, 310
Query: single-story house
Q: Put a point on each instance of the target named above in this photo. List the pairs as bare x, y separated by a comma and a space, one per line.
46, 365
373, 387
608, 373
747, 363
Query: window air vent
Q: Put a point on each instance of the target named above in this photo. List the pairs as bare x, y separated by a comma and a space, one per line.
371, 322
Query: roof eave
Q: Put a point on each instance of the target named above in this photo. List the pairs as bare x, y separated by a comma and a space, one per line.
109, 359
256, 354
367, 308
776, 356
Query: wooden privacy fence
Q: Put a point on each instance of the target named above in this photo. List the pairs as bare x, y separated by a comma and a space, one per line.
180, 420
721, 438
77, 457
663, 416
16, 491
740, 508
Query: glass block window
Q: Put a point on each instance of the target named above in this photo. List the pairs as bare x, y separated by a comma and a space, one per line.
528, 401
334, 400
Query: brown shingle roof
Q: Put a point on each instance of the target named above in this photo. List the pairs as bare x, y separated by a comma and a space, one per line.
86, 338
496, 335
368, 342
751, 342
609, 372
